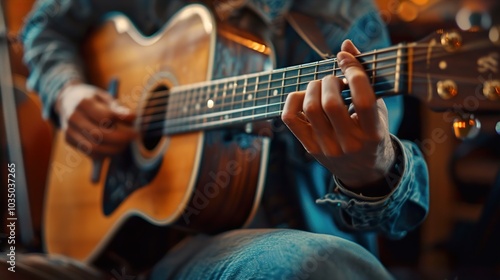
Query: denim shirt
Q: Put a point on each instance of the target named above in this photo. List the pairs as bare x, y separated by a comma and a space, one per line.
318, 202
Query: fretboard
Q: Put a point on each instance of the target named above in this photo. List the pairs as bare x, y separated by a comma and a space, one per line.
260, 96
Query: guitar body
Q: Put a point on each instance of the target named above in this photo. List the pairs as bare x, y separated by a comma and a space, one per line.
147, 198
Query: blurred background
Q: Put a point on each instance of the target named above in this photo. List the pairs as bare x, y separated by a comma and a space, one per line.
459, 238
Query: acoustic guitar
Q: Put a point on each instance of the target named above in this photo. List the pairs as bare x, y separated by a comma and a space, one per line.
193, 77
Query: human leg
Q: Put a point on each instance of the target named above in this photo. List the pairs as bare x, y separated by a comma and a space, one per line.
269, 254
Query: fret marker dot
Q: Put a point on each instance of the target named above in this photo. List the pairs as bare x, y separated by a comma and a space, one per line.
249, 97
184, 109
226, 117
443, 65
230, 86
210, 103
275, 92
197, 106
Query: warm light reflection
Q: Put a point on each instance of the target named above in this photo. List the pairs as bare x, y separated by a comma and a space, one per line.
420, 2
407, 11
251, 44
460, 124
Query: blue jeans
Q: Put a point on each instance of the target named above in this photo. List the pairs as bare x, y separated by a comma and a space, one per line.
269, 254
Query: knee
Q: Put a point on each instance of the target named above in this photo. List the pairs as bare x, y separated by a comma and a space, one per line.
297, 255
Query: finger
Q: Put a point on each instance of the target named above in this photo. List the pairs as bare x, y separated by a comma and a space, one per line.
295, 120
362, 94
80, 142
323, 129
97, 111
347, 133
97, 135
104, 111
121, 113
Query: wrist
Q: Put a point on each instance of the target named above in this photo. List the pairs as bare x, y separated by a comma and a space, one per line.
385, 184
63, 92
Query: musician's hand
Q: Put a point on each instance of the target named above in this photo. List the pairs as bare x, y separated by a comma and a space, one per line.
355, 147
93, 121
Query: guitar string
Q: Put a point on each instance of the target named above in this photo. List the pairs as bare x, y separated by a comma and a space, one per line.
422, 54
159, 111
182, 88
216, 117
152, 107
173, 109
173, 113
420, 77
416, 57
312, 64
183, 126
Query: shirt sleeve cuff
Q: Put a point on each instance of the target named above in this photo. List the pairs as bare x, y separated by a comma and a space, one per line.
392, 179
53, 82
357, 211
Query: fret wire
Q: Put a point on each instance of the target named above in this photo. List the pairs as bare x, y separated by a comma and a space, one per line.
186, 108
232, 96
204, 99
282, 87
183, 99
336, 68
269, 93
267, 97
191, 101
316, 70
396, 75
297, 80
194, 95
223, 97
256, 92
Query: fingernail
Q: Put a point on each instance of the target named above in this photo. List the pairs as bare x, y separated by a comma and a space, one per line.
342, 58
119, 109
123, 110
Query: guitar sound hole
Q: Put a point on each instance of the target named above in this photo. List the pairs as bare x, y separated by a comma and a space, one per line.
155, 111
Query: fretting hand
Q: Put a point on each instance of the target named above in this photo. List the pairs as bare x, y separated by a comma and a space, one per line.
356, 147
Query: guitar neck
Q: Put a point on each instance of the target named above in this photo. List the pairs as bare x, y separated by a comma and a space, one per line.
261, 96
